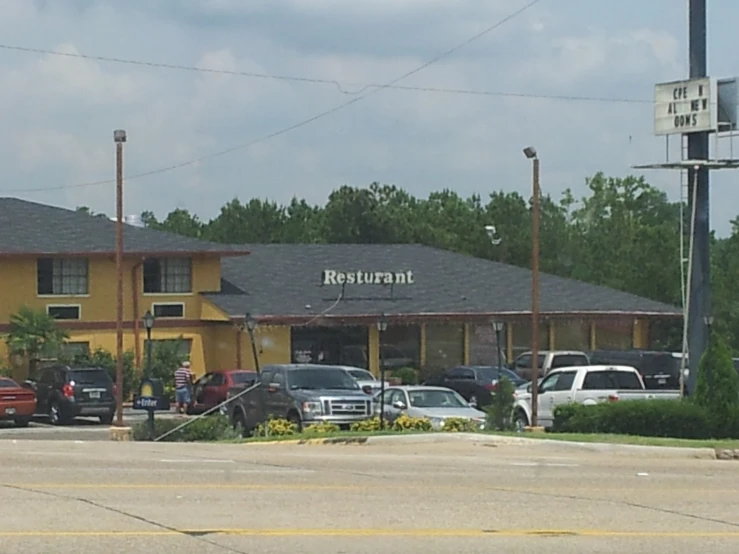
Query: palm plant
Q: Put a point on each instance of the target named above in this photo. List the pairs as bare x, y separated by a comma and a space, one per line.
33, 334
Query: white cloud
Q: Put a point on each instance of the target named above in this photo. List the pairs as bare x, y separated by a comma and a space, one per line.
59, 112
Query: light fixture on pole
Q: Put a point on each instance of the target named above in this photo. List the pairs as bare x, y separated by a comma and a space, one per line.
530, 153
381, 328
492, 234
119, 137
148, 321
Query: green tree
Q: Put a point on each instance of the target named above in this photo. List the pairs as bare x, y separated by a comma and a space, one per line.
103, 359
717, 383
33, 334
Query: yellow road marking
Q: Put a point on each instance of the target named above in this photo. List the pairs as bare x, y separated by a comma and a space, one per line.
412, 533
372, 486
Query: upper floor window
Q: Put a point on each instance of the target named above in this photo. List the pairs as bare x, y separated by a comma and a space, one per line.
63, 276
167, 275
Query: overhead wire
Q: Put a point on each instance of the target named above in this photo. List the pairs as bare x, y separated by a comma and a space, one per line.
339, 84
295, 126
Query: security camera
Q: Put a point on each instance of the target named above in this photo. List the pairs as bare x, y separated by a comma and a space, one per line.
492, 234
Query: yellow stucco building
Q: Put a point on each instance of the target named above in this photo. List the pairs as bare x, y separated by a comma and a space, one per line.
310, 302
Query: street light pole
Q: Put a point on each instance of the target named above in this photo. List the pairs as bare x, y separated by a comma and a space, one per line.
119, 137
498, 328
148, 320
381, 328
250, 323
530, 153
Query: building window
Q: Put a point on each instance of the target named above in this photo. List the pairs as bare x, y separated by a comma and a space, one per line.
75, 350
179, 348
167, 275
484, 347
330, 345
169, 310
64, 312
401, 347
614, 334
521, 337
573, 334
61, 276
444, 347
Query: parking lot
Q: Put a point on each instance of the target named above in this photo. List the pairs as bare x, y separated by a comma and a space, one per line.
70, 496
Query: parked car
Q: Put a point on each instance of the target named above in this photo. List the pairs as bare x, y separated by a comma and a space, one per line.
211, 389
66, 392
659, 370
548, 360
586, 385
366, 381
437, 404
392, 357
302, 394
17, 403
475, 383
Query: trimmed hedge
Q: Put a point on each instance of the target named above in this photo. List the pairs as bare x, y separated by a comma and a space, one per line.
680, 419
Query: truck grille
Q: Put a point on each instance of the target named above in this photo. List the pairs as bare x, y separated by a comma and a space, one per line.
349, 407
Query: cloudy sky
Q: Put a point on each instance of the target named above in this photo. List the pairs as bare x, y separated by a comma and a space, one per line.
59, 112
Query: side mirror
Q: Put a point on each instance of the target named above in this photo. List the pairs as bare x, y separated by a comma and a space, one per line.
367, 389
398, 405
274, 387
28, 384
528, 388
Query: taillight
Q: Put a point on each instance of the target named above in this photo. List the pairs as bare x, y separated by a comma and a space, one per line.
68, 390
491, 386
612, 397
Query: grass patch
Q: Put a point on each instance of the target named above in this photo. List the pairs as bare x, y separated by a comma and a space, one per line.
629, 439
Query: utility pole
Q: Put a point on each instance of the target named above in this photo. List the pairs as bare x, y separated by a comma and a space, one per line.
699, 295
119, 137
530, 153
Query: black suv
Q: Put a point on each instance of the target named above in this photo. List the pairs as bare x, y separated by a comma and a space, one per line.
65, 392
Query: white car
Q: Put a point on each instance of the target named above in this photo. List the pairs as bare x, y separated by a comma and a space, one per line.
436, 404
366, 381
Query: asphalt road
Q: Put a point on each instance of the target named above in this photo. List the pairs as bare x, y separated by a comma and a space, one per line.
83, 428
66, 497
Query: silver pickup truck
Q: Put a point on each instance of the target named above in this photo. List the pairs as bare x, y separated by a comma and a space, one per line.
588, 385
303, 394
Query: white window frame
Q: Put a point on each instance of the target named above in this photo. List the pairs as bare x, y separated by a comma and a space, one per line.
78, 306
154, 304
165, 260
57, 261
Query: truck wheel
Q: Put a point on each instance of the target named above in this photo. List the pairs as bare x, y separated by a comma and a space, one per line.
294, 418
520, 421
56, 416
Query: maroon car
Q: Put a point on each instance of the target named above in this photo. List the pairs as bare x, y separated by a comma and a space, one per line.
210, 389
17, 403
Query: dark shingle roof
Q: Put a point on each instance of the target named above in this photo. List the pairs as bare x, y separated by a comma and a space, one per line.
283, 279
31, 228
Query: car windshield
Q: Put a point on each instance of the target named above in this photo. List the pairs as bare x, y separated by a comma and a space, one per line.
90, 377
8, 384
361, 374
432, 398
321, 378
241, 377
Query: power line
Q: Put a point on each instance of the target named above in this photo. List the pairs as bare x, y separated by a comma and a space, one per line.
340, 85
300, 124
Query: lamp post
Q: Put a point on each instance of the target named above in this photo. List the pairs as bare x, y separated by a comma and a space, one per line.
250, 324
498, 328
530, 153
148, 321
381, 328
119, 137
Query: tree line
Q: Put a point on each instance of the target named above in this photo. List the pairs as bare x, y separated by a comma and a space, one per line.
624, 233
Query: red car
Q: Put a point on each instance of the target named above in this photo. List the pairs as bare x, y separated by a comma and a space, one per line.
17, 404
210, 390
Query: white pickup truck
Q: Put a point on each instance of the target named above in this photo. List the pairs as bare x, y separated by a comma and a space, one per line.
548, 360
588, 385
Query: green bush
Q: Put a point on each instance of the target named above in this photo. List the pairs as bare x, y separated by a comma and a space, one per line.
368, 425
105, 360
717, 383
322, 428
204, 429
407, 375
407, 423
500, 410
275, 427
460, 425
647, 418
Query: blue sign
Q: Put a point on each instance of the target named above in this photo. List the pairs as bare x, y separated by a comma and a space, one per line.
145, 403
151, 396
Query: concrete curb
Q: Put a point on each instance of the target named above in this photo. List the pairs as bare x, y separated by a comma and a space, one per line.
502, 440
